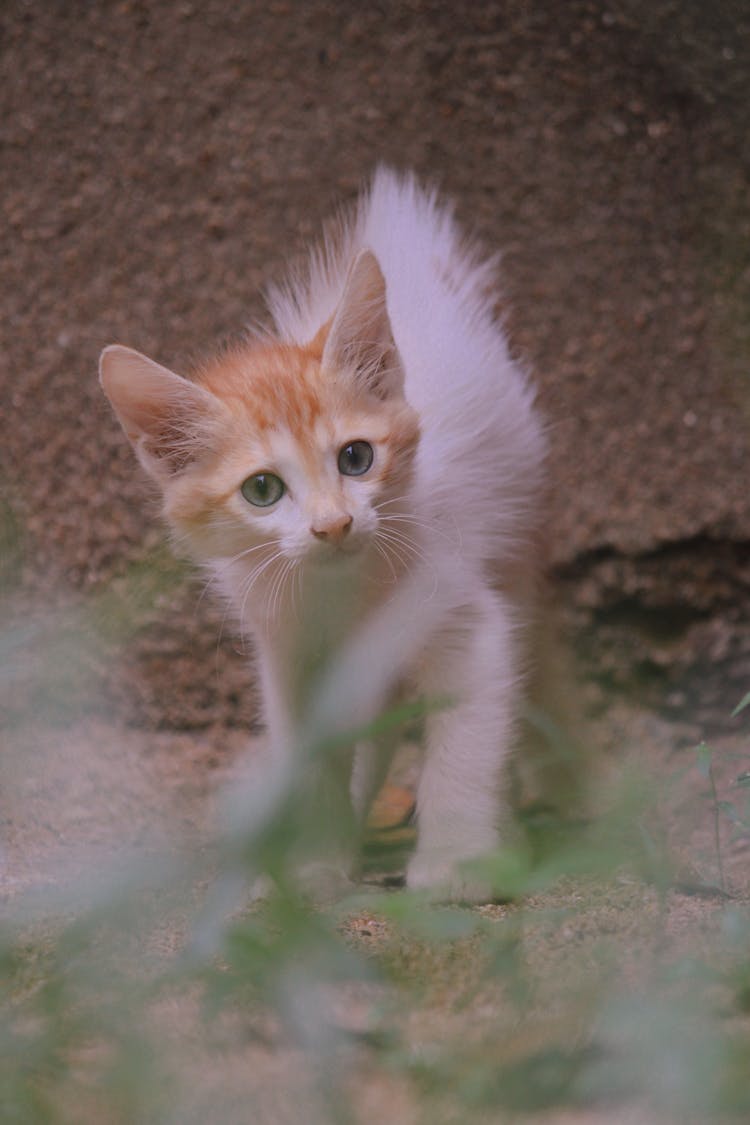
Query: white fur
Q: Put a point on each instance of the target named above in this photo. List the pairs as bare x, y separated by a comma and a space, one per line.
478, 471
482, 446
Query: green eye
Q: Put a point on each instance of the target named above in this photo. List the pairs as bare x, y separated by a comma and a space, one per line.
263, 489
355, 458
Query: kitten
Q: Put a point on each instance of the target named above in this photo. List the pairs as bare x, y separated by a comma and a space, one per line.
362, 484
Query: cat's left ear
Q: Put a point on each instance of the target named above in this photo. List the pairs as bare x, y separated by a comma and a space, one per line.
360, 340
168, 420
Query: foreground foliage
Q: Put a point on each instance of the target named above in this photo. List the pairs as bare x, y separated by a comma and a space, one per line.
577, 989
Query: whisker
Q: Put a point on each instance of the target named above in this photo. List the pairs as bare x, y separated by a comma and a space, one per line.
274, 595
409, 517
253, 577
245, 584
384, 554
392, 545
286, 588
405, 541
271, 544
291, 575
428, 525
297, 590
402, 547
391, 500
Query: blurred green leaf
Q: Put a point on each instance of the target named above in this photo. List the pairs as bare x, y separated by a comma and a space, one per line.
508, 871
703, 759
743, 703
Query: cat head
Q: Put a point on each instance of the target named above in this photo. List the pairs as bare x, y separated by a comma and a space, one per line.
295, 449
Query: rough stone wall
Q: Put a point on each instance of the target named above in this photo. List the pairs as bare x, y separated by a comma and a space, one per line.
161, 160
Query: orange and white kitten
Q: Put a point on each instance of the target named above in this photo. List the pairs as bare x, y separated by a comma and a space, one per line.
361, 482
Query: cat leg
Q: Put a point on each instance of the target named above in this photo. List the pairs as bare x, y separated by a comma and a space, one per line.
338, 867
372, 760
316, 778
369, 769
471, 665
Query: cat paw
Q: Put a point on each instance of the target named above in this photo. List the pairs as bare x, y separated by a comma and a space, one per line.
446, 880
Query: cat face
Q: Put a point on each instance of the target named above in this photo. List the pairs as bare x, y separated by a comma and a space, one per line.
277, 452
303, 462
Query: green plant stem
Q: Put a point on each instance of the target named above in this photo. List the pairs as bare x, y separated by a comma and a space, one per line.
717, 840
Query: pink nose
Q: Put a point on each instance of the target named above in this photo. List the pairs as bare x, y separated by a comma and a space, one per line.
334, 531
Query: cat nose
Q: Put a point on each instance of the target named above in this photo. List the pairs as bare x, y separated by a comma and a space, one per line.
333, 530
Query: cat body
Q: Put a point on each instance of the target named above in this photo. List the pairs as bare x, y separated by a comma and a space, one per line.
362, 482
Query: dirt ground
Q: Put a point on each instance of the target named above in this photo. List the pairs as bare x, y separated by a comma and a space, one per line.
161, 161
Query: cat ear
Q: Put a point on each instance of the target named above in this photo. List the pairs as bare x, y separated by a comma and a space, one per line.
360, 339
166, 418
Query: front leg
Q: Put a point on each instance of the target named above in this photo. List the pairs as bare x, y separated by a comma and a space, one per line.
314, 779
372, 760
472, 664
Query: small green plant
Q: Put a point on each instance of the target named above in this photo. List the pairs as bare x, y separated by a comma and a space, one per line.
704, 762
566, 992
737, 815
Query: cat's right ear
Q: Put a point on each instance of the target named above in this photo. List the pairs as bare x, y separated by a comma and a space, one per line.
360, 340
167, 419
